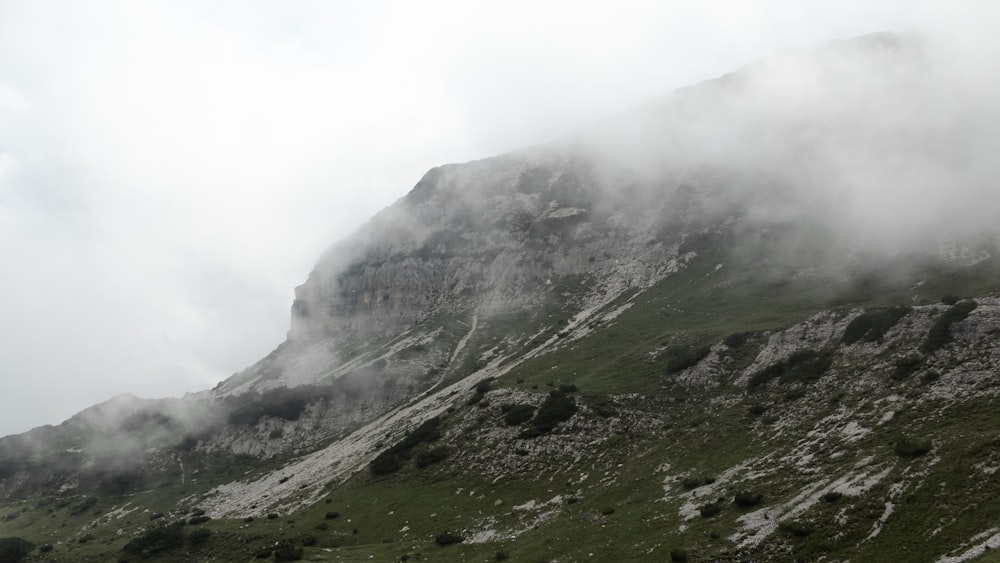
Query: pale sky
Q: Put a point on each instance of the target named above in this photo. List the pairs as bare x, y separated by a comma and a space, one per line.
170, 171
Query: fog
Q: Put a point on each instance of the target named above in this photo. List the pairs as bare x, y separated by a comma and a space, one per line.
169, 171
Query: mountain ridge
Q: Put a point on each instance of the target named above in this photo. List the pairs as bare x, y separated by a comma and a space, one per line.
710, 269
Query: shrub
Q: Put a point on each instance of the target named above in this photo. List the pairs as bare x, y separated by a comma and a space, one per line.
428, 431
14, 549
736, 339
263, 553
912, 447
678, 555
501, 555
556, 408
683, 358
709, 510
157, 540
519, 414
929, 377
873, 324
906, 366
692, 482
287, 551
332, 515
432, 456
199, 536
386, 463
198, 520
940, 332
832, 496
272, 516
746, 499
857, 328
568, 388
949, 299
794, 528
484, 386
804, 365
448, 538
392, 459
608, 511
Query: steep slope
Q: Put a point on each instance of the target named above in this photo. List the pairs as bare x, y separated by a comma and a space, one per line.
707, 329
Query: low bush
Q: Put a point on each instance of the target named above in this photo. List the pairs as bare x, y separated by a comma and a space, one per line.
747, 499
804, 365
678, 555
432, 456
519, 414
331, 515
683, 358
907, 366
832, 496
14, 549
930, 376
555, 409
736, 339
709, 510
199, 536
794, 528
940, 332
157, 540
287, 551
692, 482
873, 324
448, 538
386, 463
198, 520
393, 459
912, 447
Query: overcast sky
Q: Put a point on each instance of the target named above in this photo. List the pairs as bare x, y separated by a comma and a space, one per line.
169, 171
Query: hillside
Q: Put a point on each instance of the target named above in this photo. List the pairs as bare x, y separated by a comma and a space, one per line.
755, 319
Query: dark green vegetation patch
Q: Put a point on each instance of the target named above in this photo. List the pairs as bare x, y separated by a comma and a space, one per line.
940, 332
873, 324
803, 366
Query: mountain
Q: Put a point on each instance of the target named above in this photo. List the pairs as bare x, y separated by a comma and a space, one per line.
754, 319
